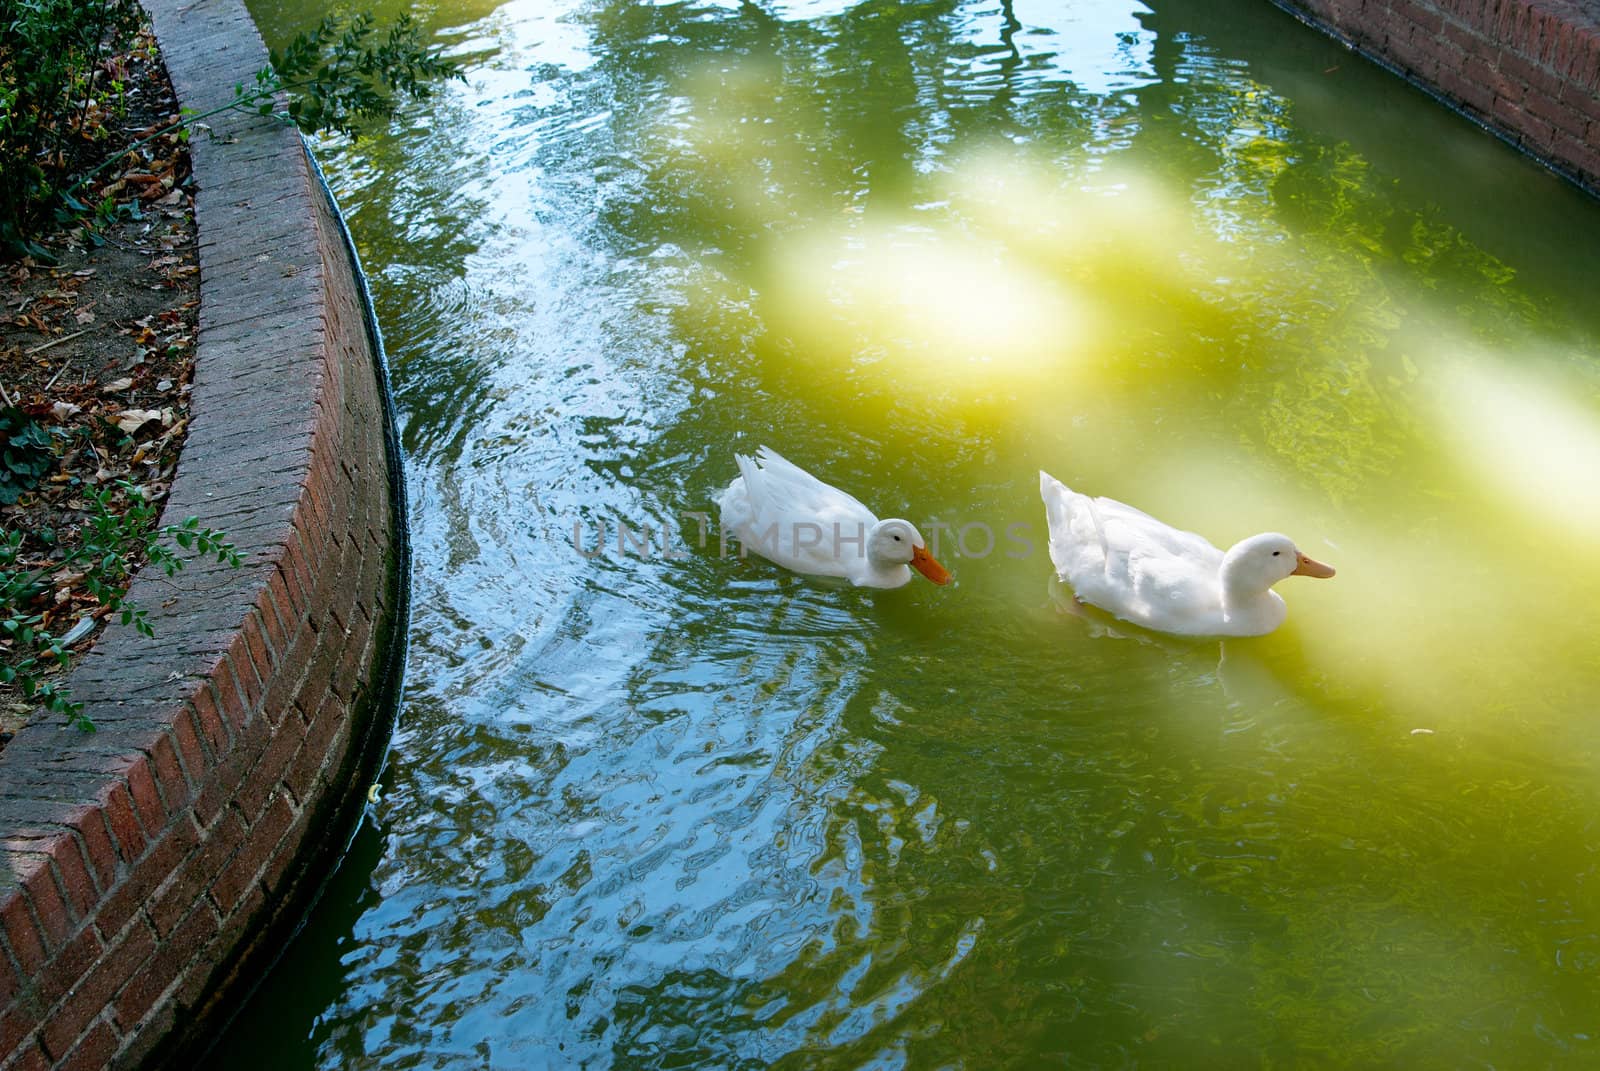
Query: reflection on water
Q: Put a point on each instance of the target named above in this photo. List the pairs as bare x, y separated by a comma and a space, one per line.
652, 805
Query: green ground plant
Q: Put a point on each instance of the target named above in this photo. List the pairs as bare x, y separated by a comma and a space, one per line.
340, 76
101, 564
51, 66
26, 454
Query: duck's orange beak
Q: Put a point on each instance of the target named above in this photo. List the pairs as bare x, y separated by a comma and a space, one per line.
923, 563
1312, 567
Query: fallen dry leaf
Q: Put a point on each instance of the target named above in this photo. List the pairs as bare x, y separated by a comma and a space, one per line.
116, 386
131, 420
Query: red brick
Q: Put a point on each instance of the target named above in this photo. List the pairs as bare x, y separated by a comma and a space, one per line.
1557, 115
1558, 48
74, 960
375, 560
1530, 28
295, 568
335, 513
263, 781
1505, 85
282, 852
344, 499
241, 759
1463, 38
100, 985
1466, 91
208, 715
247, 911
287, 862
148, 875
349, 678
94, 1051
318, 682
191, 750
44, 896
1582, 101
242, 870
187, 943
98, 847
255, 640
301, 653
1415, 59
61, 1030
1530, 130
22, 933
298, 594
278, 702
1533, 29
1538, 80
29, 1058
193, 877
312, 518
347, 591
273, 625
1508, 20
284, 673
288, 611
1580, 155
324, 739
250, 685
64, 856
16, 1023
160, 1024
1585, 66
146, 799
170, 780
330, 582
1412, 14
123, 821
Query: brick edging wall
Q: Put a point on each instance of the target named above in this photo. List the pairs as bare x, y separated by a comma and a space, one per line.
1528, 70
153, 867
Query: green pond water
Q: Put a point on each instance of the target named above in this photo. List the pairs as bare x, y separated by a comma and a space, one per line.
650, 806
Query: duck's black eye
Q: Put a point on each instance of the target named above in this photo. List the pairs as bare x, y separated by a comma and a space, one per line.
1276, 553
897, 539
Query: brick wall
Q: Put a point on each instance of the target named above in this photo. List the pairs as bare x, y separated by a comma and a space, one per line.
1529, 70
152, 866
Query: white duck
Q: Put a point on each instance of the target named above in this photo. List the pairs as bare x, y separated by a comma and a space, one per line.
786, 515
1147, 572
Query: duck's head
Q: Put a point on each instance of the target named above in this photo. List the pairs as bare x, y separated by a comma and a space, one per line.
897, 542
1257, 563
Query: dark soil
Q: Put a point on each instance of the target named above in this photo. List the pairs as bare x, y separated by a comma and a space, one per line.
99, 347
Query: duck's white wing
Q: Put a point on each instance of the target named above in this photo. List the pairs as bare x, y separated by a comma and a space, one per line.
796, 491
785, 514
1132, 527
1148, 584
1124, 560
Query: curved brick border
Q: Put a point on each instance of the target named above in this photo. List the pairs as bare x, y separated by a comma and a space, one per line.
151, 869
1527, 70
